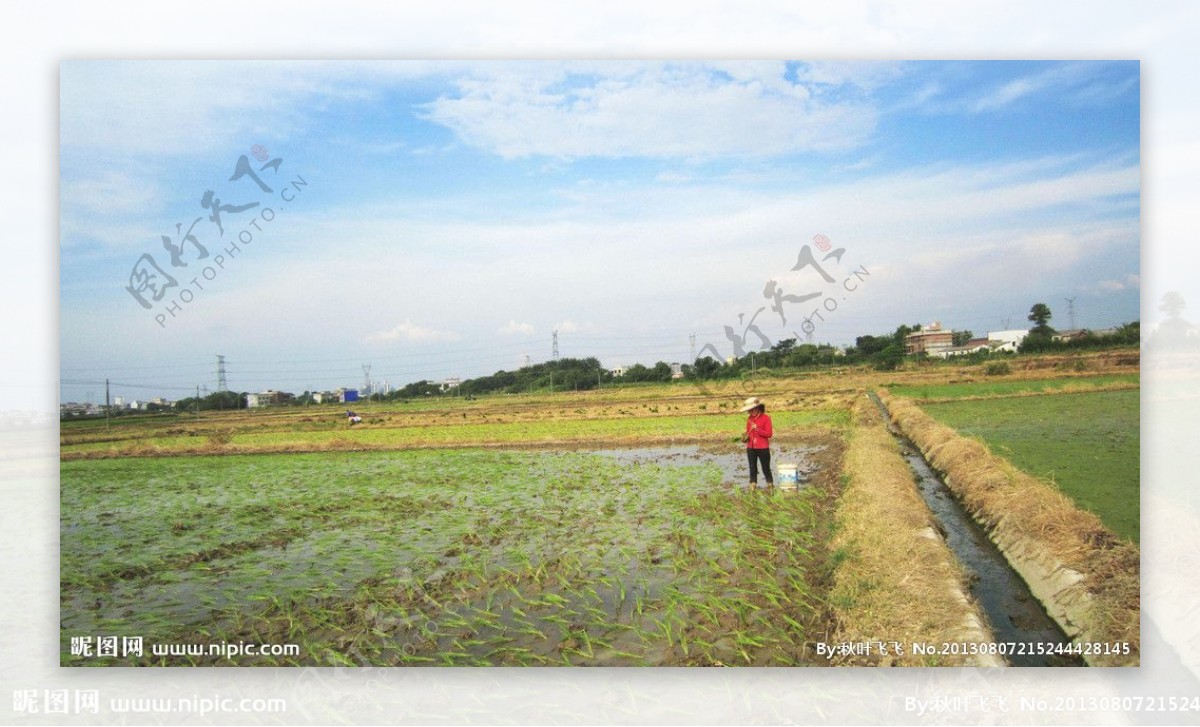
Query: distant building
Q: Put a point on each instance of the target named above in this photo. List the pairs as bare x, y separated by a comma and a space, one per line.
1006, 341
932, 340
347, 395
676, 371
618, 371
1067, 336
451, 383
268, 398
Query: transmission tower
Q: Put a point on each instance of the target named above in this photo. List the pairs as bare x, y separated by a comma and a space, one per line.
366, 379
221, 384
1071, 311
692, 346
554, 338
528, 362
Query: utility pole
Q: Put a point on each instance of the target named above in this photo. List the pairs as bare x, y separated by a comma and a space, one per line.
197, 400
1071, 311
554, 337
106, 404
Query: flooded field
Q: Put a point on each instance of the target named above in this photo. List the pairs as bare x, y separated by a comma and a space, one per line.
652, 556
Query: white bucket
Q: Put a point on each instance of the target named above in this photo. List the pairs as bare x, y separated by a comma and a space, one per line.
789, 475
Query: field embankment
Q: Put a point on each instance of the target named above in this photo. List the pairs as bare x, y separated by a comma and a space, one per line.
894, 577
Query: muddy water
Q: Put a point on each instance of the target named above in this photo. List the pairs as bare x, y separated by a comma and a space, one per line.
1016, 617
731, 460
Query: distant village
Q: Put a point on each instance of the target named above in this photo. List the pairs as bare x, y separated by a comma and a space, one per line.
932, 341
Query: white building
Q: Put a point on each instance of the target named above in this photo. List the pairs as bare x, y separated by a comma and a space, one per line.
618, 371
1006, 340
973, 346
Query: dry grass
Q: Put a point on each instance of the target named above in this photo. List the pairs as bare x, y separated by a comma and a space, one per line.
997, 494
895, 579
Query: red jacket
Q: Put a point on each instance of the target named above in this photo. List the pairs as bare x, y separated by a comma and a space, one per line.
758, 429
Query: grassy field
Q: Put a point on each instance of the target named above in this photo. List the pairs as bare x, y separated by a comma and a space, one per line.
1087, 443
461, 557
1014, 387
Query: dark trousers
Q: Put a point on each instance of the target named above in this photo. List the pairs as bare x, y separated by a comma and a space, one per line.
760, 455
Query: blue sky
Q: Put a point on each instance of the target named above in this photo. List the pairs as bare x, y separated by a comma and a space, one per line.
456, 213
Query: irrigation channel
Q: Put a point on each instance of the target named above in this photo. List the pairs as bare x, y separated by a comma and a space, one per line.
1010, 608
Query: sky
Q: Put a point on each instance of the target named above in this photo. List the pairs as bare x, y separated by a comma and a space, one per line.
438, 219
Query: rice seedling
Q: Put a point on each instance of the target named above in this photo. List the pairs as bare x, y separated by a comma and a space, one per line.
627, 563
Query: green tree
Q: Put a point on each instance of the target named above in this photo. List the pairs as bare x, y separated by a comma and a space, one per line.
705, 368
1040, 315
960, 338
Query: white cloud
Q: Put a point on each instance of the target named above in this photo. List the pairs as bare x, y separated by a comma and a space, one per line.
513, 328
867, 75
1129, 282
110, 193
408, 331
131, 108
1057, 77
658, 110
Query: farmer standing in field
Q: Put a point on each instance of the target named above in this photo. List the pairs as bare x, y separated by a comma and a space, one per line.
757, 439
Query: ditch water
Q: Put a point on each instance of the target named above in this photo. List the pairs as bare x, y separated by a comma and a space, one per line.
1012, 611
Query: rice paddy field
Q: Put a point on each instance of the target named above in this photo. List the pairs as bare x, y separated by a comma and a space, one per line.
594, 528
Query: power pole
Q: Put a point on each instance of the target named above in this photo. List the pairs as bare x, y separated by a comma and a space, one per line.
554, 337
221, 384
106, 404
1071, 311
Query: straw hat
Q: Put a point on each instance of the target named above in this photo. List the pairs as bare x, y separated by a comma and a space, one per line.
752, 403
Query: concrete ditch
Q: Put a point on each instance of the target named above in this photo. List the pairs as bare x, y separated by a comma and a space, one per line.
1085, 578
